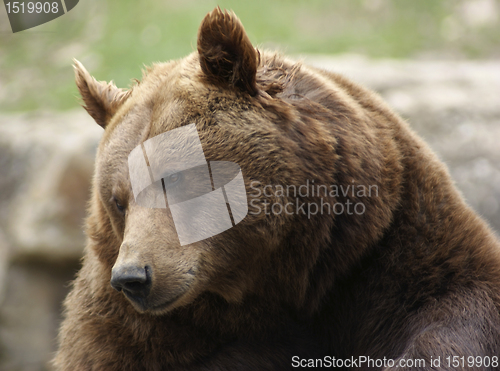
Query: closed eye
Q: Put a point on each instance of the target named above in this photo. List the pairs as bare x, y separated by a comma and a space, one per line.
119, 206
172, 179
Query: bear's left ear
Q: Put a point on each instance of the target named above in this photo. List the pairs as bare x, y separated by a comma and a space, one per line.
101, 99
225, 51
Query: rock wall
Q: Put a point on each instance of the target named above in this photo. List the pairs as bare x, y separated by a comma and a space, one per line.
46, 163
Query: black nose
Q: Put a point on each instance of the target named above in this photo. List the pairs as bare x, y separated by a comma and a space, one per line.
134, 281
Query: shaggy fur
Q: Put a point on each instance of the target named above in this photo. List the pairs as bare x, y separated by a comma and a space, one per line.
417, 275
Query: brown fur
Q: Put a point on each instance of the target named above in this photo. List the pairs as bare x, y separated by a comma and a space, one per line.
415, 276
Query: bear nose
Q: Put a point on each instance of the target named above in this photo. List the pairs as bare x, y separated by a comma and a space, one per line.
133, 280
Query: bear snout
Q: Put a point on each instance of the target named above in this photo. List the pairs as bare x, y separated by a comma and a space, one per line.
134, 281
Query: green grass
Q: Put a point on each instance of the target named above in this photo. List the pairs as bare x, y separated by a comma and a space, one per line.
114, 39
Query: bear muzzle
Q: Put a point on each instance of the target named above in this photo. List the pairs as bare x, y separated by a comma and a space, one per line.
136, 283
133, 281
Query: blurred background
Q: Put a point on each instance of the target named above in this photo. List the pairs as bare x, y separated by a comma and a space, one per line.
435, 61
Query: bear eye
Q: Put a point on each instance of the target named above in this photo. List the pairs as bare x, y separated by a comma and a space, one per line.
173, 178
119, 206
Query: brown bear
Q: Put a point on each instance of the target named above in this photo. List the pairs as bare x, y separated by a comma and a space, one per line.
355, 249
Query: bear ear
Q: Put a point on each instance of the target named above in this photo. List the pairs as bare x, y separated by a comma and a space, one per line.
101, 99
225, 51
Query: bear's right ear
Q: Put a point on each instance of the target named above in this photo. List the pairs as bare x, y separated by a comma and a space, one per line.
225, 51
101, 99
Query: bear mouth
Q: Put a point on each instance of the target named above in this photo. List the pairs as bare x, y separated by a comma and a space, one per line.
165, 305
138, 302
143, 305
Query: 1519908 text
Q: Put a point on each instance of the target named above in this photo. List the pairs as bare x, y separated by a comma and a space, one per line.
38, 7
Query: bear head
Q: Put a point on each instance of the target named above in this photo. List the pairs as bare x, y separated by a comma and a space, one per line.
254, 109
